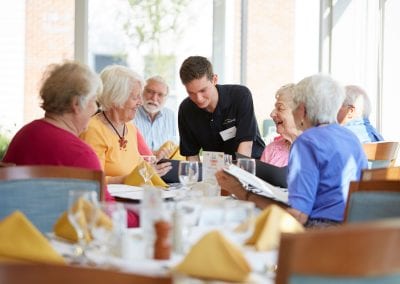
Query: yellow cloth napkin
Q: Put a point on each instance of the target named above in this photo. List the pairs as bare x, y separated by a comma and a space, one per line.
63, 228
175, 152
269, 225
214, 257
20, 240
134, 178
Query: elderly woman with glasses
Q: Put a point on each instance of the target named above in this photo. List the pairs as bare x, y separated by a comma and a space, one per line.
322, 160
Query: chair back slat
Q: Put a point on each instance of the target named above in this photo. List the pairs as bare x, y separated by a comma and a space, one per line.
41, 192
372, 200
17, 273
352, 251
381, 154
392, 173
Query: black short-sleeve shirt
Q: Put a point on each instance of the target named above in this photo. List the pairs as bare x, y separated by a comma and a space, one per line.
200, 129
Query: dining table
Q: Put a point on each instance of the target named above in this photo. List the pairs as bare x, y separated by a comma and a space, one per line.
133, 255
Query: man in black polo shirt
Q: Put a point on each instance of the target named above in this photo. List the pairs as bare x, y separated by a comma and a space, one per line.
215, 117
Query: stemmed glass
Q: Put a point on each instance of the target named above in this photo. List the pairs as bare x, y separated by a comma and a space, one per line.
109, 236
188, 172
82, 206
144, 172
238, 219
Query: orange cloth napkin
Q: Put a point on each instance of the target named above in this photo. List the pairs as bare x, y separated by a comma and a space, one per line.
214, 257
64, 229
134, 178
269, 225
20, 240
175, 152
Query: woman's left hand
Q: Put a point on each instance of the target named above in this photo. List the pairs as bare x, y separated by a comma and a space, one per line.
163, 168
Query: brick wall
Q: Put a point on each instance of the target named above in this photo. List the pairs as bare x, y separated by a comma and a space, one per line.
49, 39
270, 51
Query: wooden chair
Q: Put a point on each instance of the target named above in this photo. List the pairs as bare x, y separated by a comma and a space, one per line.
392, 173
41, 192
373, 200
346, 254
12, 273
381, 154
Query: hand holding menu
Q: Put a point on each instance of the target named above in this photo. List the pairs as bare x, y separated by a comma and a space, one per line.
267, 190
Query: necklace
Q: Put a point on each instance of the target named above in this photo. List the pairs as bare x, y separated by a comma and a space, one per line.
122, 141
60, 122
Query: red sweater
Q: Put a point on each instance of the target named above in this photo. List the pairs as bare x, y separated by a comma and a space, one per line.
41, 143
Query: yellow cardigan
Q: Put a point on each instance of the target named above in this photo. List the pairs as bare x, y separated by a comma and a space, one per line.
105, 142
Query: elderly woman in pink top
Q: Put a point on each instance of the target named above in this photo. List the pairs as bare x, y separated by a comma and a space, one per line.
277, 152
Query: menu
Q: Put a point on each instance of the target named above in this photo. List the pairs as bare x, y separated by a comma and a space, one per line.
212, 162
264, 188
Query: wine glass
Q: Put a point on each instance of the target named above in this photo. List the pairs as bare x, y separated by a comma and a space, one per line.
247, 164
144, 172
238, 219
188, 172
82, 206
109, 227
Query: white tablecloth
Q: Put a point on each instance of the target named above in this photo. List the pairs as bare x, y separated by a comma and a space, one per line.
133, 259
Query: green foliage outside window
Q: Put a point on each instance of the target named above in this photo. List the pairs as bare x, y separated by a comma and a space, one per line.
4, 141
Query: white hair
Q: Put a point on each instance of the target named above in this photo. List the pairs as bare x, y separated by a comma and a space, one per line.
357, 97
287, 91
118, 83
322, 98
158, 79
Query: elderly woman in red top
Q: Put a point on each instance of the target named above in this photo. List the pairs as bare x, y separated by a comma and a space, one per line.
69, 94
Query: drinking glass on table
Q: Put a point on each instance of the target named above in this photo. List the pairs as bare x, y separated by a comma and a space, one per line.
227, 160
82, 206
109, 227
188, 172
247, 164
144, 172
238, 220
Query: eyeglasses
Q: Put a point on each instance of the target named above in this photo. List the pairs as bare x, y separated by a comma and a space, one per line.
152, 93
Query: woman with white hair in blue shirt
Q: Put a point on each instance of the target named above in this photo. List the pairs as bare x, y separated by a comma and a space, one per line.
322, 160
325, 157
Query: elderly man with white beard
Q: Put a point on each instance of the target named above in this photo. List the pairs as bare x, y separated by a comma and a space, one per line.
157, 123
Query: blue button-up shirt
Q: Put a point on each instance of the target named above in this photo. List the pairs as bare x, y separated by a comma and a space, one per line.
162, 129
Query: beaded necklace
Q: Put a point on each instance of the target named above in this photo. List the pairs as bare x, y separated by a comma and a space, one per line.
122, 140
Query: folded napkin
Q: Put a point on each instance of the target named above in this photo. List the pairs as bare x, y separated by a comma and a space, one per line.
174, 149
214, 257
20, 240
134, 178
63, 228
269, 225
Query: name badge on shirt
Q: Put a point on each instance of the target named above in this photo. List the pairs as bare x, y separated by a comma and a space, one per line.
228, 133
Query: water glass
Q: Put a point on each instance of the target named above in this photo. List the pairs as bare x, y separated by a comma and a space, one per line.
150, 211
227, 160
186, 217
82, 206
109, 236
238, 219
188, 172
247, 164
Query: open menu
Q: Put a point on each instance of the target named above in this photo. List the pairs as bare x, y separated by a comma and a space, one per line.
134, 192
261, 187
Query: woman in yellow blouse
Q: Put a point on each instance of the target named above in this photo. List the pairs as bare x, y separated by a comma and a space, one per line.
111, 132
